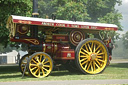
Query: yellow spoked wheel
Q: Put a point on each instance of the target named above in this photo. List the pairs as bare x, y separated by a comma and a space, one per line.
40, 64
23, 63
91, 56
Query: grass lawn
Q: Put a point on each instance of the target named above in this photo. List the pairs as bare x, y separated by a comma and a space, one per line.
114, 71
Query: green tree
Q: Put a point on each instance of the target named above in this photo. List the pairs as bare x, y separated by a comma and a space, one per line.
83, 10
45, 8
70, 10
102, 11
12, 7
125, 40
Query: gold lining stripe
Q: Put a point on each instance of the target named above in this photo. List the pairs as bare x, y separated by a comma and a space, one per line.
34, 41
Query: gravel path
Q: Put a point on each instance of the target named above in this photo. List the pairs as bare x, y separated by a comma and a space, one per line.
68, 82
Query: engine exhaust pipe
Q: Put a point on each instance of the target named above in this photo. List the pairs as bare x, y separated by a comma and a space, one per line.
34, 28
35, 8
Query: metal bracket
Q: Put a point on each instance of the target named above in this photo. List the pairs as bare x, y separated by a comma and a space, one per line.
24, 70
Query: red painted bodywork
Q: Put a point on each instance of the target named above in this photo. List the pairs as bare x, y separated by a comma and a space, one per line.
64, 25
59, 51
57, 45
65, 54
64, 38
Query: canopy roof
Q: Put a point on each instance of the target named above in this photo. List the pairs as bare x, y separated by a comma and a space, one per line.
62, 23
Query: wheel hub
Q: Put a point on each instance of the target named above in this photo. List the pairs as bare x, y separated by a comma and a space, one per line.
40, 65
93, 56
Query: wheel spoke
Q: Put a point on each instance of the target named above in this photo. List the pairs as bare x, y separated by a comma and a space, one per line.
33, 65
85, 50
97, 65
36, 71
97, 61
84, 56
99, 56
98, 51
46, 65
86, 47
39, 72
45, 69
101, 60
34, 61
86, 66
42, 71
83, 53
89, 65
101, 53
37, 58
33, 68
46, 62
98, 47
94, 48
94, 65
89, 48
83, 59
40, 58
84, 62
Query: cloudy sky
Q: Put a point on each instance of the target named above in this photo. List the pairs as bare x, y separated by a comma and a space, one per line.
124, 10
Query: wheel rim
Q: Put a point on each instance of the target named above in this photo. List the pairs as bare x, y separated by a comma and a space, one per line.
40, 65
93, 57
24, 63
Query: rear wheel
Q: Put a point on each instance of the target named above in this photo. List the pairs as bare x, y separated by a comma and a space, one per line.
91, 56
40, 64
23, 63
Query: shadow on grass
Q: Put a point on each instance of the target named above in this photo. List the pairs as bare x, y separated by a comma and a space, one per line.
119, 65
10, 76
9, 72
14, 72
9, 69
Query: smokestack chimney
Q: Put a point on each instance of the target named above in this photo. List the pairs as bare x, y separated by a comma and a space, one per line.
34, 28
35, 8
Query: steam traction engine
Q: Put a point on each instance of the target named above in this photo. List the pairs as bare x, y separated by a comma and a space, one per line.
58, 41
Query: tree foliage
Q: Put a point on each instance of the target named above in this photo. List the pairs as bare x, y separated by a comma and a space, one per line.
83, 10
12, 7
102, 11
125, 40
72, 9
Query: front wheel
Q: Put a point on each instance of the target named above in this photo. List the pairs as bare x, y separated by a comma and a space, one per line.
91, 56
40, 64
